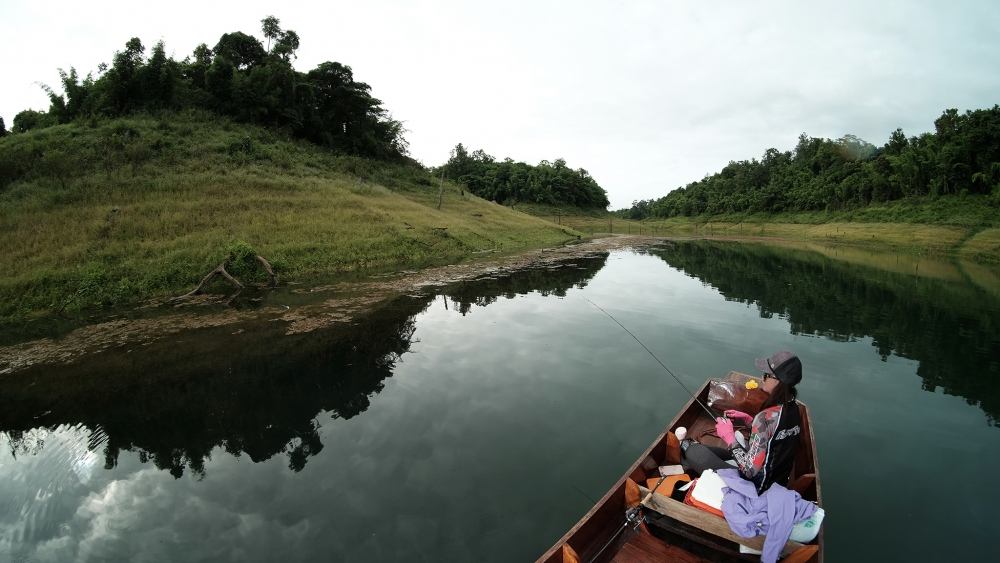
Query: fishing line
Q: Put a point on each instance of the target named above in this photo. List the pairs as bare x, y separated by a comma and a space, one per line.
585, 495
679, 382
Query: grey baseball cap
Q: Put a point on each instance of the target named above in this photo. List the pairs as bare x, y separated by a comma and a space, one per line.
784, 365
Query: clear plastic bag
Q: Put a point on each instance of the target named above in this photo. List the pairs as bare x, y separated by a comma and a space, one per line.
733, 393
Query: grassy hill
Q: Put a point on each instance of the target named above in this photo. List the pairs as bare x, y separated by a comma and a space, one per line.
111, 212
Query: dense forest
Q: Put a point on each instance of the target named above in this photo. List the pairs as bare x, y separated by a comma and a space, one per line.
961, 156
509, 182
239, 77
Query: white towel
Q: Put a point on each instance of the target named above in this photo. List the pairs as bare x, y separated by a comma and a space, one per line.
709, 489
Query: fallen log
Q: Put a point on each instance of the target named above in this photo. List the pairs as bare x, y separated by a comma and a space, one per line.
220, 270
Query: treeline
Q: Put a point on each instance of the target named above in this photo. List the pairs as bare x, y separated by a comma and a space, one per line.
510, 182
238, 77
962, 156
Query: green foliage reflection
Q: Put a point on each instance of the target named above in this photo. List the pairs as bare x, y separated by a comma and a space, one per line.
258, 393
951, 329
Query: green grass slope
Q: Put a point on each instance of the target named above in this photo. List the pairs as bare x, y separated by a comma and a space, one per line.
112, 212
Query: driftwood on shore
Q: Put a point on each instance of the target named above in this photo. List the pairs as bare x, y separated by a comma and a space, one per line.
267, 268
220, 270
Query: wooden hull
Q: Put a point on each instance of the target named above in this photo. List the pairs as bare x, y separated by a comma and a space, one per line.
676, 531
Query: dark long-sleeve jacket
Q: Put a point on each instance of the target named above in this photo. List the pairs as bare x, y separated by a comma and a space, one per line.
774, 439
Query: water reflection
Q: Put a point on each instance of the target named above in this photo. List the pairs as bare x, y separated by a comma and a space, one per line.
950, 328
258, 393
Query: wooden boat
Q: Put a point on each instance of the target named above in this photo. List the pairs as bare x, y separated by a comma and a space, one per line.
629, 524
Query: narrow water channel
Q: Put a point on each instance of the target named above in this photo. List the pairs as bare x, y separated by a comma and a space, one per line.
480, 421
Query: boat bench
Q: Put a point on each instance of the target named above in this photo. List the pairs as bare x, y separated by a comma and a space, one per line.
715, 525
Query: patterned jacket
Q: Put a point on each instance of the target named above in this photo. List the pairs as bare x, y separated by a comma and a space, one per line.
774, 440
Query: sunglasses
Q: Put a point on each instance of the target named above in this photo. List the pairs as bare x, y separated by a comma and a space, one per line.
766, 375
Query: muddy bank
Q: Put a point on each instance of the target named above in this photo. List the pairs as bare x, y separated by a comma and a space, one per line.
314, 307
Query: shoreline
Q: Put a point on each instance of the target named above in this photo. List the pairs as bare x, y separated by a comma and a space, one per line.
323, 306
978, 244
299, 308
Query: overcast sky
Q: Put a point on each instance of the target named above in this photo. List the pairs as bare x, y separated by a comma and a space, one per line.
647, 96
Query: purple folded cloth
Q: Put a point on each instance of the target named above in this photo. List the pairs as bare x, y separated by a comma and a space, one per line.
772, 513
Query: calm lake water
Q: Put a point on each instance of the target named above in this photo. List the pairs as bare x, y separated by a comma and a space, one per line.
473, 424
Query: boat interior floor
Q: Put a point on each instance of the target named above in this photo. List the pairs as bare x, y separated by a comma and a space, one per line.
641, 548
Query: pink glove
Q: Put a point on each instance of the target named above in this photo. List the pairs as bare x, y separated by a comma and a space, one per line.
724, 428
747, 419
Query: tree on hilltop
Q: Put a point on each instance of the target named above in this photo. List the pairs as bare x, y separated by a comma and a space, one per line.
271, 29
237, 78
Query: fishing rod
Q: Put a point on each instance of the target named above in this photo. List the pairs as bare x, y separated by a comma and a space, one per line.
679, 382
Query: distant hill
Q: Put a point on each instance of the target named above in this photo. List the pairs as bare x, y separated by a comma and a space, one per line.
961, 157
253, 82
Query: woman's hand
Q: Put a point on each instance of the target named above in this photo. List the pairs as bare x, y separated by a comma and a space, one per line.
739, 415
724, 428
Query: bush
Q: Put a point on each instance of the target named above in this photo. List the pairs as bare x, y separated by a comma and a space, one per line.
243, 150
241, 262
15, 162
31, 119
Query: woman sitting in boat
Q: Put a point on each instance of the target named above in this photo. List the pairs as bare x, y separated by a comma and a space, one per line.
774, 433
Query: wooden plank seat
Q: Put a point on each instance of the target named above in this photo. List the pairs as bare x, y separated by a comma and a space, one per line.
706, 521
